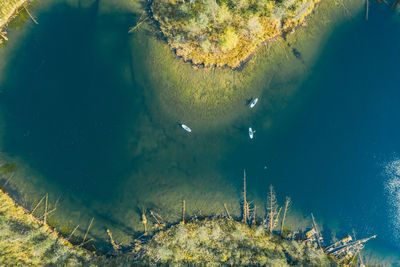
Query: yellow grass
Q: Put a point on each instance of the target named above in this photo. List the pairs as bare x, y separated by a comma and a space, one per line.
8, 8
24, 240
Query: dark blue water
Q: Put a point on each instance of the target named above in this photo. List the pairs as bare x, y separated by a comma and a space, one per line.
75, 113
68, 101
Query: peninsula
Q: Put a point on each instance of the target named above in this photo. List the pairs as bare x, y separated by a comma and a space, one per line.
226, 32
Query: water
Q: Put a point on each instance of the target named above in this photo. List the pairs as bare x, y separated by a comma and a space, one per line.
78, 115
332, 155
69, 112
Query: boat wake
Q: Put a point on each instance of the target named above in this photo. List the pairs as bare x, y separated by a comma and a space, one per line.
392, 188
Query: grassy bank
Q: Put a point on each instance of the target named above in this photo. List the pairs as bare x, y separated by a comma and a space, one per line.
222, 241
25, 240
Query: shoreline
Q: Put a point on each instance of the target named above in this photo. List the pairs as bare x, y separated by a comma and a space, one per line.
27, 239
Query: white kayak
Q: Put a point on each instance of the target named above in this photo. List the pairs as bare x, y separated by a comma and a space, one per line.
251, 133
253, 103
186, 128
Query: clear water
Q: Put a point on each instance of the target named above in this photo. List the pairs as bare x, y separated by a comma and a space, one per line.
75, 113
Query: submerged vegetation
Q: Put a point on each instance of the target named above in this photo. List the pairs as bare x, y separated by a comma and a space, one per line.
226, 32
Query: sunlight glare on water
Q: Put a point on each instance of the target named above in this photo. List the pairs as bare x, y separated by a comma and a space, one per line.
392, 187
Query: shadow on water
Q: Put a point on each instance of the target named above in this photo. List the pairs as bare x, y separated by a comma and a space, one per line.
70, 98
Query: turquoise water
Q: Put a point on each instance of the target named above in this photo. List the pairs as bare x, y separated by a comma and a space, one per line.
75, 113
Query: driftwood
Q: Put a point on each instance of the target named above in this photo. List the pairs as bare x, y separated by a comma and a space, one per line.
183, 211
45, 209
73, 231
37, 205
287, 204
27, 11
87, 231
115, 245
142, 19
227, 212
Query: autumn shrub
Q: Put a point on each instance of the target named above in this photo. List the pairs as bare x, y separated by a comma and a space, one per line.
225, 32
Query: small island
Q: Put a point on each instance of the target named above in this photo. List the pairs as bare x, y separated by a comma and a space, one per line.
226, 32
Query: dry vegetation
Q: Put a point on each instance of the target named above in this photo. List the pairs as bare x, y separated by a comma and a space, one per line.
222, 241
226, 32
8, 9
28, 241
24, 240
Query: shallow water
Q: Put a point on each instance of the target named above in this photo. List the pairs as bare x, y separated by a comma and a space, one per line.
79, 113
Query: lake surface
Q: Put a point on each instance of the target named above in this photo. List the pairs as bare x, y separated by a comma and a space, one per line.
75, 115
